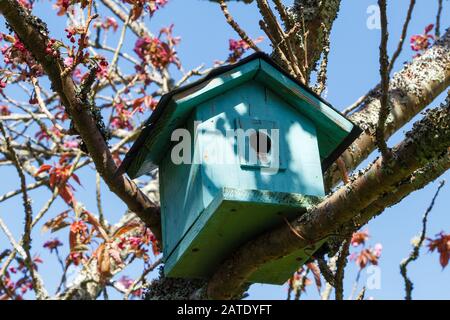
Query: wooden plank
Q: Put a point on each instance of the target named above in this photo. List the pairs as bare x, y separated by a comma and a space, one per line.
181, 196
234, 217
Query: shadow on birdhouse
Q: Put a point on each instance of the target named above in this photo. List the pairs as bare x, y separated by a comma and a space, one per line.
239, 152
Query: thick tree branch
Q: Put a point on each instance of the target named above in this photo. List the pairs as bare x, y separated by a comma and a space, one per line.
416, 181
429, 139
410, 91
34, 35
316, 18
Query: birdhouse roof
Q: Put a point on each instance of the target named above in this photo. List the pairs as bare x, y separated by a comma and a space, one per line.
334, 131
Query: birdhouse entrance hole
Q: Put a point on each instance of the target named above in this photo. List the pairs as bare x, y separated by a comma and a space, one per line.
261, 144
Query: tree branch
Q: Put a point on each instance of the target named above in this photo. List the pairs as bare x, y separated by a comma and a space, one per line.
235, 25
138, 28
438, 19
317, 18
411, 90
429, 139
34, 35
341, 263
384, 73
403, 36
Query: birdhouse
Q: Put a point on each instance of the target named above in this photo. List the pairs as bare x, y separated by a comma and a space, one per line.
239, 152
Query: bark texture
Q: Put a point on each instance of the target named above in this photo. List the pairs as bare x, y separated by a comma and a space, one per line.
316, 18
428, 140
411, 90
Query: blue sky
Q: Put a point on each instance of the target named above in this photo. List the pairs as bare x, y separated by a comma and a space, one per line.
353, 70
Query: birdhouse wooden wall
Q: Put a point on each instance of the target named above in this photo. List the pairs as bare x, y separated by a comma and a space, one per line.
212, 207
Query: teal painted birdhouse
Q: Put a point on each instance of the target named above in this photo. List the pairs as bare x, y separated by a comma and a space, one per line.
239, 152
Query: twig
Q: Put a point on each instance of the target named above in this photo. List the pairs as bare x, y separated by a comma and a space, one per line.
41, 103
13, 193
417, 245
110, 49
39, 289
194, 72
235, 26
279, 38
361, 294
283, 13
322, 74
326, 271
355, 284
438, 19
138, 28
40, 292
403, 36
115, 59
99, 201
270, 20
331, 267
299, 290
340, 269
64, 270
290, 287
384, 72
42, 212
133, 287
358, 102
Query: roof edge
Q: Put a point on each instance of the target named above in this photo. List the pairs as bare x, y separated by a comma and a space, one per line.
166, 99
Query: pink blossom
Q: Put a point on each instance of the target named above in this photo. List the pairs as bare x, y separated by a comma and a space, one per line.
71, 144
156, 4
238, 48
2, 85
77, 74
126, 282
68, 61
420, 42
4, 110
156, 51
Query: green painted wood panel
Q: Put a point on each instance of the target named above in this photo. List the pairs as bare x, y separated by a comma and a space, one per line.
181, 189
234, 217
332, 126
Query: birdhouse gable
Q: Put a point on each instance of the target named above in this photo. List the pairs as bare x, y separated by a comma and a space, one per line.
334, 131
